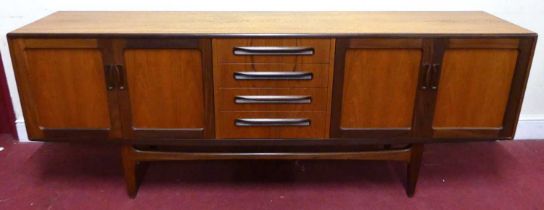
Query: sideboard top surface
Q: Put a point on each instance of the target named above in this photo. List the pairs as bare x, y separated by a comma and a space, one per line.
271, 23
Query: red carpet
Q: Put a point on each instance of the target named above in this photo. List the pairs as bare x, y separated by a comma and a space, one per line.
505, 175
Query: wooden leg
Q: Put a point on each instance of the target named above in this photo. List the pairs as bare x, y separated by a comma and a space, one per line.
135, 160
413, 169
130, 170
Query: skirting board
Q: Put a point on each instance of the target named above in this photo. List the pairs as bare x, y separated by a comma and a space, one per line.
21, 131
529, 127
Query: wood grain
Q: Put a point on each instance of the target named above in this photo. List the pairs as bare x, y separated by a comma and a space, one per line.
223, 50
165, 87
226, 128
330, 98
68, 88
474, 88
519, 83
225, 75
276, 23
492, 42
60, 43
413, 168
318, 99
173, 154
483, 43
20, 67
137, 157
380, 88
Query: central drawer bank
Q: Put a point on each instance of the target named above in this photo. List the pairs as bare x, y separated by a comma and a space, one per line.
271, 85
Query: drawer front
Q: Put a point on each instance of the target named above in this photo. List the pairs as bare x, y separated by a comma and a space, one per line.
272, 75
271, 125
262, 50
284, 99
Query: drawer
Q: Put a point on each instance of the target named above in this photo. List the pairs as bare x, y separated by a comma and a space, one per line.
264, 50
270, 125
284, 99
272, 75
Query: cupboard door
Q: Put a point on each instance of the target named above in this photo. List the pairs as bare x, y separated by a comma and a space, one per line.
167, 89
63, 89
376, 87
479, 85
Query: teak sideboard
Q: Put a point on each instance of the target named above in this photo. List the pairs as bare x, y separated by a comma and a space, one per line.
271, 85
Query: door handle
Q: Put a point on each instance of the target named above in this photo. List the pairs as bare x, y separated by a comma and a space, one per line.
249, 122
248, 50
426, 76
121, 77
270, 99
435, 76
109, 76
272, 75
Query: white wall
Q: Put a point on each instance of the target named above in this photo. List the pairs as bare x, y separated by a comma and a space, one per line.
527, 13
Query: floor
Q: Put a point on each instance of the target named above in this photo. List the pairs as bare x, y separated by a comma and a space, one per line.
491, 175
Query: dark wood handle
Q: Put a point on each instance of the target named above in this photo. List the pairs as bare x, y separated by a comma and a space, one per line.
249, 122
109, 76
273, 75
426, 76
272, 50
270, 99
120, 77
435, 76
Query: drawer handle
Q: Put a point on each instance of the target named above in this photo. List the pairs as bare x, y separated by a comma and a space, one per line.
272, 99
248, 122
273, 75
273, 51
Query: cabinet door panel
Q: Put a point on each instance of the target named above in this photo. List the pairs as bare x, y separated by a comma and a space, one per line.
63, 89
380, 88
474, 88
68, 88
479, 87
376, 87
167, 89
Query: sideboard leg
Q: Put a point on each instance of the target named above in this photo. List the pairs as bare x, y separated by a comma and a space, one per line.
413, 168
129, 168
135, 160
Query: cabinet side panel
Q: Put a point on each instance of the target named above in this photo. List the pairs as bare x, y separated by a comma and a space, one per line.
474, 88
380, 88
68, 88
165, 87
